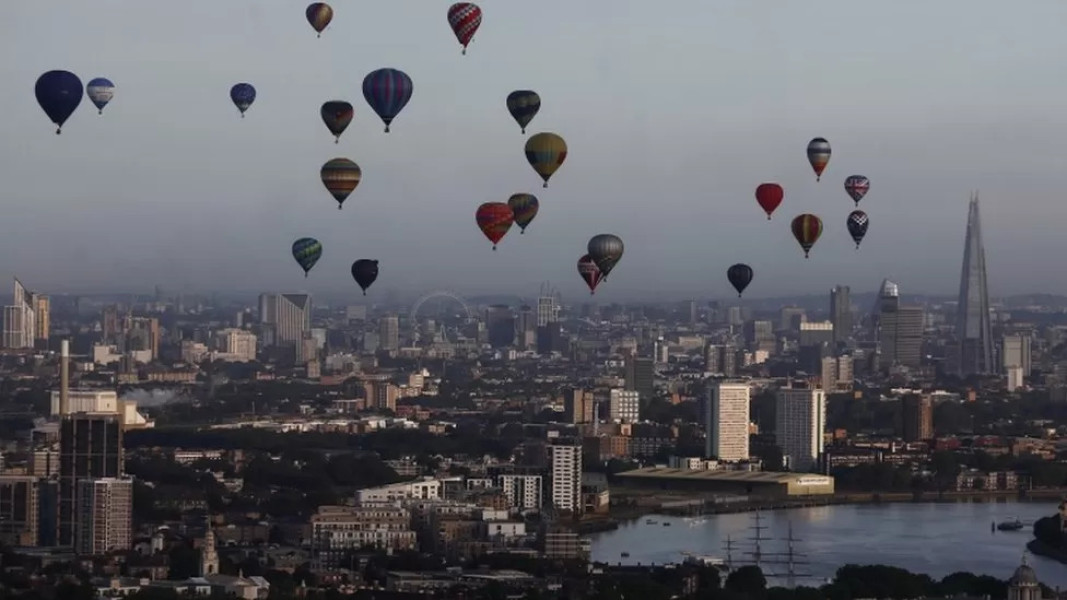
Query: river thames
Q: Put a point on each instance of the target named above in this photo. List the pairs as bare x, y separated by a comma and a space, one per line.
932, 538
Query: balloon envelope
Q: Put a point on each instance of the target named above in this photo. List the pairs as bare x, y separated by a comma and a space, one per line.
307, 251
319, 15
340, 176
546, 152
494, 219
857, 186
769, 196
818, 155
243, 95
605, 249
523, 106
524, 207
59, 93
387, 91
337, 114
365, 271
589, 273
464, 18
740, 275
100, 92
806, 229
857, 224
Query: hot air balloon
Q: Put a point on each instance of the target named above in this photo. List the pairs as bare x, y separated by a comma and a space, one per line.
818, 155
546, 153
243, 95
523, 106
307, 251
494, 219
769, 196
365, 271
589, 273
740, 275
100, 92
319, 15
388, 92
464, 18
58, 93
336, 114
857, 187
524, 207
605, 249
857, 223
807, 229
341, 176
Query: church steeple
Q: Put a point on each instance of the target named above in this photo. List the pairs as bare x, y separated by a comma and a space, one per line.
209, 556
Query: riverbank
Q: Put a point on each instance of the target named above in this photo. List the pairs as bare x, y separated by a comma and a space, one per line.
637, 506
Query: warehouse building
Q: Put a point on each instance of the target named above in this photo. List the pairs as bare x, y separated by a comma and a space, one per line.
757, 484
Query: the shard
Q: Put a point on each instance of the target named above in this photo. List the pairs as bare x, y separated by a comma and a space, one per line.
973, 330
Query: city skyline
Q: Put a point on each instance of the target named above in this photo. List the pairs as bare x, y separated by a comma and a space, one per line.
226, 216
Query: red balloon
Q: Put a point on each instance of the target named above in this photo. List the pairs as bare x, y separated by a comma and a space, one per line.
464, 18
590, 273
769, 196
494, 219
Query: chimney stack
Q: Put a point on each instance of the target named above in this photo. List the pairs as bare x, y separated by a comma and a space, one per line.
64, 377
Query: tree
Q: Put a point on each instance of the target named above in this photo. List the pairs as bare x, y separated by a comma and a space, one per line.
747, 581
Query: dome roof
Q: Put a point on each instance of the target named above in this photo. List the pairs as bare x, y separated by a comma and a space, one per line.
1024, 575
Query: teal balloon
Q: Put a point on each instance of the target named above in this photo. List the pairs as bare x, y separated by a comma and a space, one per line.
307, 252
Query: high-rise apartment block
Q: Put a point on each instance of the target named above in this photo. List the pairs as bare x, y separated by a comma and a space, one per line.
727, 422
578, 405
565, 478
800, 415
104, 516
917, 414
236, 345
624, 406
522, 491
974, 329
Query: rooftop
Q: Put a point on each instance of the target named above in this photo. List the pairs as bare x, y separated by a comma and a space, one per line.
696, 475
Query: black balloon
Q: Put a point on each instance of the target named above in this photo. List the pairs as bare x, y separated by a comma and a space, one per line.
740, 275
365, 271
857, 224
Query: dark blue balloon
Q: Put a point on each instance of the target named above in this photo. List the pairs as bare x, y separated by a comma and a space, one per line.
59, 93
243, 95
387, 91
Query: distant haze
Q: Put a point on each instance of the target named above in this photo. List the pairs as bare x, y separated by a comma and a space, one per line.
673, 114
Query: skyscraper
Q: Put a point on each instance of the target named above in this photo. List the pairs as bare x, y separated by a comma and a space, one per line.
900, 330
20, 318
90, 447
973, 328
289, 316
841, 313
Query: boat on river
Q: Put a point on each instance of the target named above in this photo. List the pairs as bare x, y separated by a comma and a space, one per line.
1012, 525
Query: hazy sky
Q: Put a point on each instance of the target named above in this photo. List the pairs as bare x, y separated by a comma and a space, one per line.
673, 114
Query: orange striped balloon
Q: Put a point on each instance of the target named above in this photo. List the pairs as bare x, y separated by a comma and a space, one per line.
341, 176
807, 228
